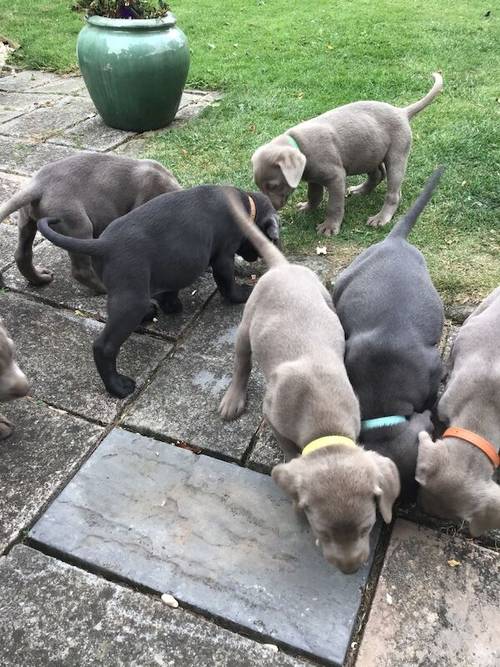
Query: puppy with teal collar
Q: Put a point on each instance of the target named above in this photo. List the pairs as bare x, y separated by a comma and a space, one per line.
393, 320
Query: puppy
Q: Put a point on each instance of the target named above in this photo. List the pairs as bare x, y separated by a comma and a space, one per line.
86, 192
393, 320
290, 328
358, 138
158, 249
455, 476
13, 382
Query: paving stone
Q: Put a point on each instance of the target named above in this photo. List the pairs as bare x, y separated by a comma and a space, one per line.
459, 313
71, 85
136, 147
428, 610
92, 134
26, 157
47, 121
65, 291
53, 613
26, 80
54, 348
9, 185
14, 104
216, 536
266, 452
46, 447
182, 400
8, 242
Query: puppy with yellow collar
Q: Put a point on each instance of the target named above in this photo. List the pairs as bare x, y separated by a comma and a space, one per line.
291, 329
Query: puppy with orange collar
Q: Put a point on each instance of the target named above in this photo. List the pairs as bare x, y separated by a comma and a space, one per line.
455, 473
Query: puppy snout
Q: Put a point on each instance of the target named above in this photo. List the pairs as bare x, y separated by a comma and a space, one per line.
16, 386
20, 389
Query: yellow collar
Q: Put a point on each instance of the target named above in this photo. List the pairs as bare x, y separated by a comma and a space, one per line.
327, 441
253, 210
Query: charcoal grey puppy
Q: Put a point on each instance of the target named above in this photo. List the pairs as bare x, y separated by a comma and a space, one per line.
393, 319
13, 382
291, 330
371, 138
158, 249
455, 477
86, 192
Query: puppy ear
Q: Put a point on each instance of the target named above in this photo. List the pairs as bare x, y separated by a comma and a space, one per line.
288, 477
488, 515
292, 163
387, 485
429, 458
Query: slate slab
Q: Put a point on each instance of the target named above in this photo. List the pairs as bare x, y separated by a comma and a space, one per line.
8, 242
20, 103
47, 121
53, 613
24, 157
71, 85
46, 447
54, 348
218, 537
266, 452
92, 134
437, 603
182, 400
26, 80
65, 291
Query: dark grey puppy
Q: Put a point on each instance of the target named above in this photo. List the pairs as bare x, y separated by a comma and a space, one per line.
86, 192
160, 248
393, 319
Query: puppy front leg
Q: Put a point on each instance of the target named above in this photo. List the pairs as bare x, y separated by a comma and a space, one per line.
335, 209
233, 402
314, 197
223, 270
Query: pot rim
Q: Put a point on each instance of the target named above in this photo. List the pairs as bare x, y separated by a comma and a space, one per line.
168, 21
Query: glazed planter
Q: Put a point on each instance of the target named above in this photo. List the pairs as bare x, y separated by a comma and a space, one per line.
134, 70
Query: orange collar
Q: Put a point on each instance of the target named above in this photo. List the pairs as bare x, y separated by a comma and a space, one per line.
476, 440
253, 210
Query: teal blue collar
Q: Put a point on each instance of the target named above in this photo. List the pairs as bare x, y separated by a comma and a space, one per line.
382, 421
292, 142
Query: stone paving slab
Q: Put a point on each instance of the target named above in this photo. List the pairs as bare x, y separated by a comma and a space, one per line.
46, 447
27, 80
182, 400
54, 348
437, 603
46, 121
65, 291
71, 85
92, 134
266, 452
53, 613
15, 104
26, 157
8, 243
218, 537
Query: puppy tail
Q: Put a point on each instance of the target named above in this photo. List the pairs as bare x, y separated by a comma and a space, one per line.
414, 108
404, 226
269, 252
92, 247
20, 199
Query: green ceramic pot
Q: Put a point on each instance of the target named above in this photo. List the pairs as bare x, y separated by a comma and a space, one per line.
135, 70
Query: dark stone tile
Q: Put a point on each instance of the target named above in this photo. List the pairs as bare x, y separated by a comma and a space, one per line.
181, 402
54, 348
216, 536
25, 157
46, 447
437, 603
266, 452
92, 134
53, 613
65, 291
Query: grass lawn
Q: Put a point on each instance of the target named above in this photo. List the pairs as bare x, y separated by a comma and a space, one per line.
280, 62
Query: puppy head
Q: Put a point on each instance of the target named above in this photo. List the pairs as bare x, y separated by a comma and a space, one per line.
339, 489
267, 220
448, 490
277, 170
13, 382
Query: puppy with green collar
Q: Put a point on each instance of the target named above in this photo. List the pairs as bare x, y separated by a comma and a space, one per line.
291, 329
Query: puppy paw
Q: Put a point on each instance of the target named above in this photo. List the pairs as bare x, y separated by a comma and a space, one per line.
240, 293
151, 313
328, 229
304, 206
171, 306
232, 405
6, 427
377, 220
41, 276
121, 386
356, 190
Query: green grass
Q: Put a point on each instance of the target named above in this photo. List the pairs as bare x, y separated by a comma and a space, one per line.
278, 63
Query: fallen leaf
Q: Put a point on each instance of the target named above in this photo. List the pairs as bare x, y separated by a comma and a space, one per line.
453, 563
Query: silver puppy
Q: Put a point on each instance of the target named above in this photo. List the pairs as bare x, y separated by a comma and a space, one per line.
13, 382
86, 192
291, 329
455, 476
371, 138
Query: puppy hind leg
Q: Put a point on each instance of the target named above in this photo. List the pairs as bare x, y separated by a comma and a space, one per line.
395, 164
24, 251
223, 270
169, 302
79, 226
374, 178
233, 402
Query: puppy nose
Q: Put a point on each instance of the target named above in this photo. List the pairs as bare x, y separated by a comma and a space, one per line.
349, 568
20, 389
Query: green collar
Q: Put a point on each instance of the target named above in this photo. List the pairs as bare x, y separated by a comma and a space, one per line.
292, 142
379, 422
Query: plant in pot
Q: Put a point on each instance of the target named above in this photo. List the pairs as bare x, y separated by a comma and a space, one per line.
134, 61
